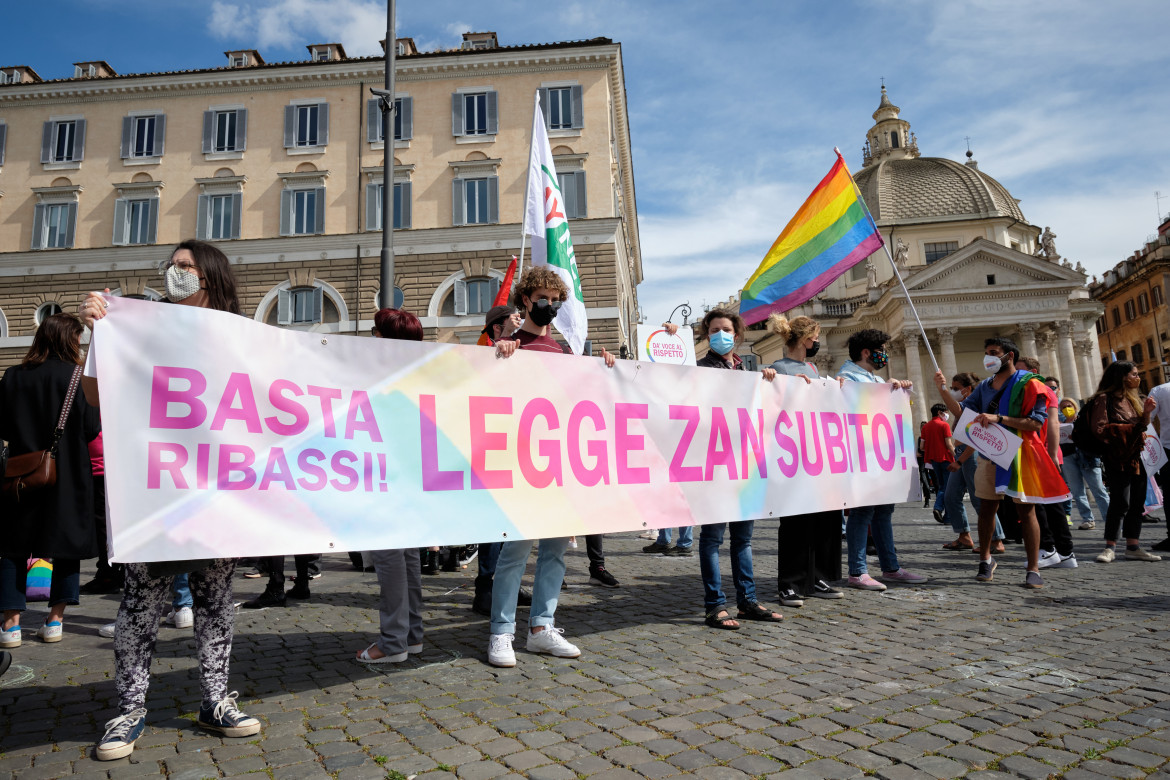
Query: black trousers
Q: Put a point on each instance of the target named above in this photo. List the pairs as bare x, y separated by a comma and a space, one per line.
808, 549
595, 552
1127, 502
1054, 530
275, 567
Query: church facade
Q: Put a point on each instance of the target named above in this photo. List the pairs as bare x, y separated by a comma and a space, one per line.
974, 267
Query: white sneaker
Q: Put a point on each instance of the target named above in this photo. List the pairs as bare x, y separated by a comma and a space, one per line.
182, 617
1049, 558
500, 652
51, 632
551, 641
1107, 556
108, 630
10, 638
1066, 562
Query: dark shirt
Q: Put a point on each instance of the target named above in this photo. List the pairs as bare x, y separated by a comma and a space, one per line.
539, 343
981, 397
714, 360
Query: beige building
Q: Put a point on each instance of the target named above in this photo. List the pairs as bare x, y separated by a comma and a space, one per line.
1137, 319
975, 267
280, 164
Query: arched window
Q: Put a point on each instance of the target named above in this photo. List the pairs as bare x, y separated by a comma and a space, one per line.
471, 296
399, 298
316, 306
46, 310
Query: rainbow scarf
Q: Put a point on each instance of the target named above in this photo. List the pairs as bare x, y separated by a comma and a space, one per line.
831, 233
1034, 477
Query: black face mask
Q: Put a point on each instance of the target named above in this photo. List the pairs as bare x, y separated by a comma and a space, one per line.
543, 312
813, 350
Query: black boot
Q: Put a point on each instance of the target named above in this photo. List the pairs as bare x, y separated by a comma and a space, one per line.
430, 561
269, 598
451, 561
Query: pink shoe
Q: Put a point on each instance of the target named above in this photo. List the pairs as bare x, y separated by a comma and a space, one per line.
865, 582
901, 575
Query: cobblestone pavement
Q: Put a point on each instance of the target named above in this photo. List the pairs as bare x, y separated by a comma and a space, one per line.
948, 679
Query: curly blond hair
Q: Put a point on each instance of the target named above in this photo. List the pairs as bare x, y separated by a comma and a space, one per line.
793, 330
533, 279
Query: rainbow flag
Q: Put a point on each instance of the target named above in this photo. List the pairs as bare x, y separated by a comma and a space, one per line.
831, 233
1034, 477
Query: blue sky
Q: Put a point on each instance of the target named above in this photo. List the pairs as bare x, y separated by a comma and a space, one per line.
735, 108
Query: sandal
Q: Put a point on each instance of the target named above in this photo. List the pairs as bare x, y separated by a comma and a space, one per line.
998, 549
753, 611
727, 623
957, 545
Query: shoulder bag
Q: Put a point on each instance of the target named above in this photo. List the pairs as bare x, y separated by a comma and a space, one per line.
37, 470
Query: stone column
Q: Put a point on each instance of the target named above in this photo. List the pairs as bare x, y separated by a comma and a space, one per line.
914, 374
897, 352
1027, 339
946, 345
1048, 362
1088, 377
1068, 365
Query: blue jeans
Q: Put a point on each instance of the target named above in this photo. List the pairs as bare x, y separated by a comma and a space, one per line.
875, 519
182, 592
710, 539
685, 538
64, 587
546, 586
1083, 473
942, 476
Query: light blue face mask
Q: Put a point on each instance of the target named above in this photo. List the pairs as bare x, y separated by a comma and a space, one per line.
722, 342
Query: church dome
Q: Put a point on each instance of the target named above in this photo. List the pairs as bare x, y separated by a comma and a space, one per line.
932, 189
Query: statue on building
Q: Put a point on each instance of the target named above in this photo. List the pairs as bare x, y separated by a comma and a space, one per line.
901, 255
1048, 244
1080, 269
871, 281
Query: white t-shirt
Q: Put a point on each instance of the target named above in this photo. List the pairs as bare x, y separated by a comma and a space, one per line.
1161, 394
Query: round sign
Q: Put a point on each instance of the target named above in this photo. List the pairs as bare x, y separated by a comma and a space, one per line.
991, 440
661, 347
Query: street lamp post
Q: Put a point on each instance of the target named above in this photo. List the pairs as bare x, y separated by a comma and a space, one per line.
386, 102
686, 312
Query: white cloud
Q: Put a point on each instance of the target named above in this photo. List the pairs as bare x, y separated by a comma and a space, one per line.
358, 25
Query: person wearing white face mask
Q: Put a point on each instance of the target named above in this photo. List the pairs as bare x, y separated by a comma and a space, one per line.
197, 274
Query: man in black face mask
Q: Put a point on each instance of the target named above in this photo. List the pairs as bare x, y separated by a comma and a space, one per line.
539, 294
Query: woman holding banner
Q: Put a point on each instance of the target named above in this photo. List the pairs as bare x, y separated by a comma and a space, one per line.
197, 274
809, 546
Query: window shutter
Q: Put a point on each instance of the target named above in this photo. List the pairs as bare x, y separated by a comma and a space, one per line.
460, 298
323, 124
582, 209
286, 200
38, 236
201, 217
284, 307
160, 135
319, 201
71, 223
127, 135
544, 107
374, 120
372, 210
493, 199
78, 148
121, 227
457, 210
495, 287
406, 108
404, 203
575, 95
46, 142
456, 114
492, 114
318, 303
241, 130
3, 140
237, 213
208, 132
152, 224
290, 126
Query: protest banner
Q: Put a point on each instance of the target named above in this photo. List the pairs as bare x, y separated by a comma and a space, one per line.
228, 438
657, 346
994, 442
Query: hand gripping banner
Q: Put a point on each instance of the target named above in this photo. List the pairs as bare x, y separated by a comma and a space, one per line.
225, 437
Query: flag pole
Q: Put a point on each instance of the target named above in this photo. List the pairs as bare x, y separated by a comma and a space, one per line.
893, 265
527, 183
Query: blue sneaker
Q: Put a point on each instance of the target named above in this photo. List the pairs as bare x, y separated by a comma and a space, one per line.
121, 734
227, 719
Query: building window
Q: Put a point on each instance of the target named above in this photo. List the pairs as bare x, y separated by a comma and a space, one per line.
938, 250
476, 201
1130, 311
63, 141
475, 296
3, 140
1150, 349
1116, 317
135, 221
403, 120
53, 225
474, 113
1137, 353
562, 107
302, 212
225, 131
894, 142
1121, 354
374, 193
143, 136
46, 310
306, 126
1156, 291
1102, 325
300, 306
572, 186
219, 215
1143, 304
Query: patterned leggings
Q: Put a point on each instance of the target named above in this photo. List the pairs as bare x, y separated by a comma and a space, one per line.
143, 598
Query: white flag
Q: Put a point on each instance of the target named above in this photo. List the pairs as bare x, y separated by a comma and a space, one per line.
545, 223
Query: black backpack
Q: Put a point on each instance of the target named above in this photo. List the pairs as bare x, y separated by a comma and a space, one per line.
1082, 433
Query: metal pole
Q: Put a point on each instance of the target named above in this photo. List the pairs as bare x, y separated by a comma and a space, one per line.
386, 269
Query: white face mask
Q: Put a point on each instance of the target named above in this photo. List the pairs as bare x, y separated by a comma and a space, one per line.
992, 364
957, 394
180, 284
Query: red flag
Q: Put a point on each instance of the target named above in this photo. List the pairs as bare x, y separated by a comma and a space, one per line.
506, 287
